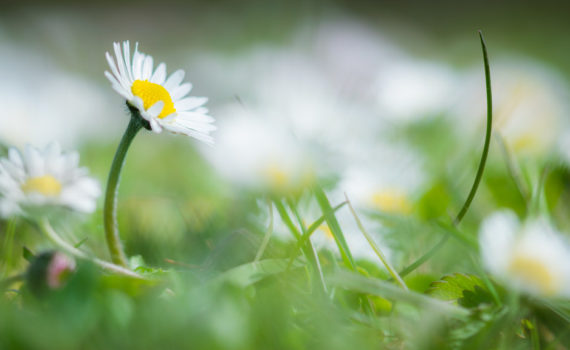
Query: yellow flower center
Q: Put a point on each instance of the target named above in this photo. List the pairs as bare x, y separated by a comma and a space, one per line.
533, 271
526, 141
151, 93
46, 185
277, 177
391, 201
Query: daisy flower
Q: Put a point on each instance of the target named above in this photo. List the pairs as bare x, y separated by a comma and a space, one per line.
410, 90
532, 256
389, 182
529, 106
260, 154
45, 177
161, 101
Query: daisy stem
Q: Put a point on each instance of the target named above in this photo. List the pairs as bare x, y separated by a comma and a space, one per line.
110, 207
46, 228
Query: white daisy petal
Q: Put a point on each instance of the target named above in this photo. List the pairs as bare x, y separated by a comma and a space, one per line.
127, 54
159, 74
155, 109
138, 59
147, 68
120, 61
155, 126
15, 157
196, 117
194, 120
174, 79
44, 177
181, 91
190, 103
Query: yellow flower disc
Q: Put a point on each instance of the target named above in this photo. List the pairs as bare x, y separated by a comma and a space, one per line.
151, 93
46, 185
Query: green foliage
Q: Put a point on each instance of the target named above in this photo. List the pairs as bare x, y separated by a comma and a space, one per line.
462, 289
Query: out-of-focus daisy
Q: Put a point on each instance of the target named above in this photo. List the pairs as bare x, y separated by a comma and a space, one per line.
162, 101
260, 154
529, 106
531, 256
410, 90
45, 177
59, 98
388, 182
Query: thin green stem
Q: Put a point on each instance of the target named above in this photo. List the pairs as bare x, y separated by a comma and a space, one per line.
50, 233
485, 153
110, 207
286, 219
480, 169
375, 247
314, 257
538, 201
422, 259
267, 235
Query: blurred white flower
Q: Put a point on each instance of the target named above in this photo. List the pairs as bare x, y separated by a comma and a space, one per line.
38, 98
260, 154
530, 106
339, 44
290, 88
45, 177
409, 90
532, 256
160, 100
388, 180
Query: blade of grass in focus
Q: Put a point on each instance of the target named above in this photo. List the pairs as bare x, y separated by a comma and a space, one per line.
480, 169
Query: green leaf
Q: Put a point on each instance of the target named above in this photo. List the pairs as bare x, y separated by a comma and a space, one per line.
248, 274
80, 243
356, 282
27, 254
462, 289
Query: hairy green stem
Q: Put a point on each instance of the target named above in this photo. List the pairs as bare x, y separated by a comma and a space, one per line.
480, 170
50, 233
110, 207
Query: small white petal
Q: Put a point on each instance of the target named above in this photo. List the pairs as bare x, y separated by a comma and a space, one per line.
174, 80
190, 103
155, 109
159, 74
147, 68
181, 91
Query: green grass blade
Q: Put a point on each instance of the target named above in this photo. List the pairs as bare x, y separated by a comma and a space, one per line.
334, 226
480, 169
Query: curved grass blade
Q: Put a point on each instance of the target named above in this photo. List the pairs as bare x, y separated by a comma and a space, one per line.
480, 170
